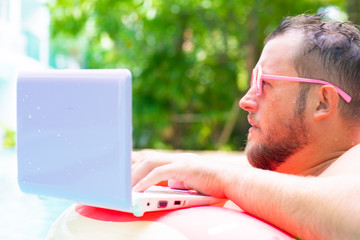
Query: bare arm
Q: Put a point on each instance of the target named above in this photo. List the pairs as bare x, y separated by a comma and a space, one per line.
324, 207
306, 207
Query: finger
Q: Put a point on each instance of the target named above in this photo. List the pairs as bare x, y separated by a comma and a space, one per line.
159, 174
135, 163
144, 167
147, 161
136, 156
141, 164
139, 171
178, 184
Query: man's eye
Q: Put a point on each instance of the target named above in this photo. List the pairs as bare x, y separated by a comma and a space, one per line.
265, 83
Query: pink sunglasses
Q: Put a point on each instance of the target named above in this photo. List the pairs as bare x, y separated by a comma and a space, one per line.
258, 76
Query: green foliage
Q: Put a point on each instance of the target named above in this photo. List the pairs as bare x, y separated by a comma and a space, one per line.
189, 58
9, 138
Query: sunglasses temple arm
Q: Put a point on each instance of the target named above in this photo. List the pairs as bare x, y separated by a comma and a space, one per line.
343, 94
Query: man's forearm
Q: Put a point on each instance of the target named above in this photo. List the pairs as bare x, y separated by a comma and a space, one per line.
306, 207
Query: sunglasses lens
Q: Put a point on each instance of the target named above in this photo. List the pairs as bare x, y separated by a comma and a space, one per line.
258, 81
253, 78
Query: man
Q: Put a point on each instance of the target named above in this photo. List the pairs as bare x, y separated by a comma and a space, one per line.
303, 144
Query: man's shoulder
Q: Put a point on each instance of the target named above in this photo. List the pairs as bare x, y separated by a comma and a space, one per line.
347, 164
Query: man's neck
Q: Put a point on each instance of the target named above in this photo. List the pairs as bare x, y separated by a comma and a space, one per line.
307, 164
324, 148
319, 168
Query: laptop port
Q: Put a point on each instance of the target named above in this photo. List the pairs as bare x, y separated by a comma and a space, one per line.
177, 203
162, 204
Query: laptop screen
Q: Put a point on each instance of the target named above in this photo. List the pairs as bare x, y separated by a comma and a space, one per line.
74, 131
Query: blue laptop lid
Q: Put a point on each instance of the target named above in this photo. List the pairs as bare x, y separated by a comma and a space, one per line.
74, 135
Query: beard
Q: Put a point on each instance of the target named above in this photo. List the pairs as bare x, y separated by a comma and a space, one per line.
282, 140
276, 148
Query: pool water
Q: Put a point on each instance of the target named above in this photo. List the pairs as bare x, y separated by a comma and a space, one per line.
23, 216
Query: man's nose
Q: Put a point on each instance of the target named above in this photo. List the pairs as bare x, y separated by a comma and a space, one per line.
249, 101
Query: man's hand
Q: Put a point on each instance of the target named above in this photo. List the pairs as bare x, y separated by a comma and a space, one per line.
185, 170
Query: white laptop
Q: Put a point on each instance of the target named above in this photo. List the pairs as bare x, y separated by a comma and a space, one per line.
74, 141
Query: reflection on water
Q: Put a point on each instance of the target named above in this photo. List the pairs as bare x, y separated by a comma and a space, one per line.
23, 216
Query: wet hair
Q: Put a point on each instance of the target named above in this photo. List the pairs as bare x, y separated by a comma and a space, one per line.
330, 51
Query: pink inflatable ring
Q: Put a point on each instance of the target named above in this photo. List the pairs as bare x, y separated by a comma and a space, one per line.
207, 222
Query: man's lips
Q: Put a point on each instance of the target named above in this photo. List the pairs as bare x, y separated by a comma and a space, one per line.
252, 122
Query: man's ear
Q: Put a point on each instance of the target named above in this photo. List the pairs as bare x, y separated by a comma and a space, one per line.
327, 101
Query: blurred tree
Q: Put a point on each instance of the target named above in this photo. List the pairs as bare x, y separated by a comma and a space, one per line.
8, 138
353, 8
191, 60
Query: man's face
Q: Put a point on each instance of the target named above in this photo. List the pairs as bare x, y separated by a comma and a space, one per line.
277, 116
